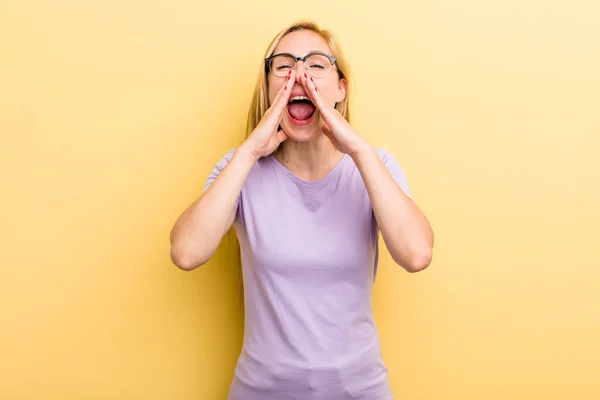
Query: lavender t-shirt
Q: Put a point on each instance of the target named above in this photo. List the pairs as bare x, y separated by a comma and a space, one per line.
309, 254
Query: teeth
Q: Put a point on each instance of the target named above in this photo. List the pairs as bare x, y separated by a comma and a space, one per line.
299, 98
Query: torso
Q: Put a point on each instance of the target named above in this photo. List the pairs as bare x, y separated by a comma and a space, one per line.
309, 257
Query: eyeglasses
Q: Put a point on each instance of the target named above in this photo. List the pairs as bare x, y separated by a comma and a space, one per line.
316, 64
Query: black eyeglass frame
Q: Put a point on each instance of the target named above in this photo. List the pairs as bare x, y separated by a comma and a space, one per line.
331, 59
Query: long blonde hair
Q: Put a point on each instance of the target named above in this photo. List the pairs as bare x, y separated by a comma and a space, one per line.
260, 100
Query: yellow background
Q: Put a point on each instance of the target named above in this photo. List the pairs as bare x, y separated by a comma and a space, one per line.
112, 114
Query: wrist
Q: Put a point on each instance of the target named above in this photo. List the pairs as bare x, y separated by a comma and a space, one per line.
245, 154
364, 149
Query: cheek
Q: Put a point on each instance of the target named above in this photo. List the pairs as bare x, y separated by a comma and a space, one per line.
328, 91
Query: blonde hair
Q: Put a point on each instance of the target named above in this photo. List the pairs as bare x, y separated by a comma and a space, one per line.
260, 100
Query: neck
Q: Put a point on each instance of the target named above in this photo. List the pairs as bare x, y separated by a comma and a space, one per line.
309, 160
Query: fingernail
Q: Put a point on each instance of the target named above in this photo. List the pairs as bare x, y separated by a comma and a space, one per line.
290, 72
285, 87
311, 79
288, 78
305, 74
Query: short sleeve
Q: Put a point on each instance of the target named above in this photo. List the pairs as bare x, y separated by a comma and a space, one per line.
395, 170
217, 170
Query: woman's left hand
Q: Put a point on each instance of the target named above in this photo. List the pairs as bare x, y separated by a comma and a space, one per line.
336, 128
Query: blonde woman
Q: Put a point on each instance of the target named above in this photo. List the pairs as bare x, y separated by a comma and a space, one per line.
308, 196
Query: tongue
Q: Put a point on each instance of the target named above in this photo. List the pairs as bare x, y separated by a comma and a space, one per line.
301, 111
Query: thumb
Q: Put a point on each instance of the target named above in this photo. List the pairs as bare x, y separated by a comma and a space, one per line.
280, 135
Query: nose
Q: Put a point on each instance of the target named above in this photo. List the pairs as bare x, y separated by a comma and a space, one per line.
299, 69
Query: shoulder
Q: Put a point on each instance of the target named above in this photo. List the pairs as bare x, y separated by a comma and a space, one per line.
385, 155
395, 169
226, 158
218, 167
388, 159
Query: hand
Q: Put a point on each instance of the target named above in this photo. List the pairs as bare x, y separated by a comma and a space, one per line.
267, 136
336, 128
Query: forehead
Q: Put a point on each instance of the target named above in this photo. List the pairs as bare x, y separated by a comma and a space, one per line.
300, 43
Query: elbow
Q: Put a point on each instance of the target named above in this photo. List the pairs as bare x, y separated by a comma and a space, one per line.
417, 262
184, 260
417, 266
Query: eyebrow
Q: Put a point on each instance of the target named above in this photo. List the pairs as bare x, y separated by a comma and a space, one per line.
309, 51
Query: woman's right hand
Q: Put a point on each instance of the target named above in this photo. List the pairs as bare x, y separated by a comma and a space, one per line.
267, 136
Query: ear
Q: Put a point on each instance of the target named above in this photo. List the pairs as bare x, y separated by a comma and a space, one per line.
342, 90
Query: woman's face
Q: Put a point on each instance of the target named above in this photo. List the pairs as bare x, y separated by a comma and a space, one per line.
307, 124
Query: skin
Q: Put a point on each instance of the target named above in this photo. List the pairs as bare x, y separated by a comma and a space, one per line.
309, 151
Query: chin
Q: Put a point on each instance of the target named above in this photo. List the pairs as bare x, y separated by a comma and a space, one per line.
302, 131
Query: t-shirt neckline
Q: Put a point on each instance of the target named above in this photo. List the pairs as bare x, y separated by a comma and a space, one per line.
330, 175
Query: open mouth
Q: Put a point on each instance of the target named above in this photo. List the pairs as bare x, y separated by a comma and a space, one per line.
300, 109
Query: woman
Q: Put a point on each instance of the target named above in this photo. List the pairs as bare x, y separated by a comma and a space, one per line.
308, 196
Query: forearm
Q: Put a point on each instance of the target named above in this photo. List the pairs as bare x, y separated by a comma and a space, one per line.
200, 228
404, 228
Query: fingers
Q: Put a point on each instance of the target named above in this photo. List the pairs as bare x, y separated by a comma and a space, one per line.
283, 95
312, 91
275, 140
327, 112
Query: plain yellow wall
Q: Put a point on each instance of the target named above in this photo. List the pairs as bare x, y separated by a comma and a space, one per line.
112, 114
